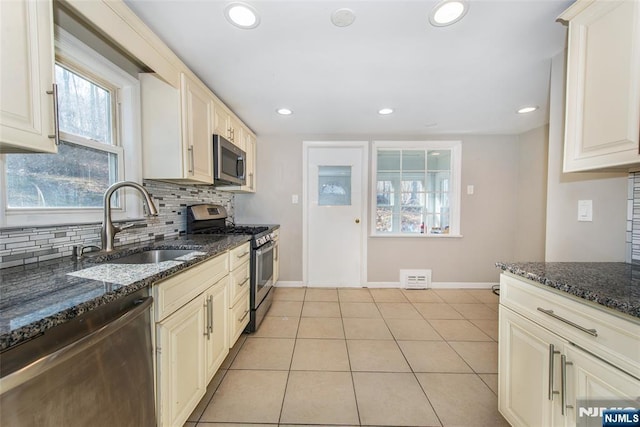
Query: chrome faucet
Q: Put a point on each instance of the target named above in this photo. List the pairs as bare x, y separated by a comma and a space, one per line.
108, 231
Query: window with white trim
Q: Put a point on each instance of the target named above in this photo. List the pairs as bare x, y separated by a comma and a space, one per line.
416, 188
99, 125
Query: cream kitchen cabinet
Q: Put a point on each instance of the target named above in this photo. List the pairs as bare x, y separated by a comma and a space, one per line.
602, 117
239, 291
276, 256
177, 129
217, 336
191, 336
27, 113
554, 350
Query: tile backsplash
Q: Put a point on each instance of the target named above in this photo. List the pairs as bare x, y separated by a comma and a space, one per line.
26, 245
633, 217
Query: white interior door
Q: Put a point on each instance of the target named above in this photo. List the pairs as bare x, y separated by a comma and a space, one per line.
335, 226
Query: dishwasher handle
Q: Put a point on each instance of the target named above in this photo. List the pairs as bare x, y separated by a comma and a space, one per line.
51, 360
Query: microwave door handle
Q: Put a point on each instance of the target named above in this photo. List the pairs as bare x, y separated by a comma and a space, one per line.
240, 167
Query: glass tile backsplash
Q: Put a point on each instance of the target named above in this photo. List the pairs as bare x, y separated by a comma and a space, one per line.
26, 245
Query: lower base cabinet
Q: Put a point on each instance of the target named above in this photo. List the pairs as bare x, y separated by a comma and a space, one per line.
199, 314
544, 378
180, 363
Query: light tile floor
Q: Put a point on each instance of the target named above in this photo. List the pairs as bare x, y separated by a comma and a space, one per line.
362, 357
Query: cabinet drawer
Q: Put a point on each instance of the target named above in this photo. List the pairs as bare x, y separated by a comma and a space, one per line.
613, 338
176, 291
239, 255
239, 317
239, 282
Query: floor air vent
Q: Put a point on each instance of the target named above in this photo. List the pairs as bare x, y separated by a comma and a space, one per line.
415, 279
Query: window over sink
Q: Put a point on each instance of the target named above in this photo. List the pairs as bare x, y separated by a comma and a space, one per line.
416, 188
99, 122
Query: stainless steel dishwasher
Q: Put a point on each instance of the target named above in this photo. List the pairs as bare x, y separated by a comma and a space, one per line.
95, 370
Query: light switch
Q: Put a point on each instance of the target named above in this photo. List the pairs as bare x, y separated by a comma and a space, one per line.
585, 210
470, 189
294, 199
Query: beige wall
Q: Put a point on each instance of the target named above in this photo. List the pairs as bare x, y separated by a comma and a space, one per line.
532, 195
489, 219
566, 238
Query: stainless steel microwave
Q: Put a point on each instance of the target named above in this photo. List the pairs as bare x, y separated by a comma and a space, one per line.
229, 162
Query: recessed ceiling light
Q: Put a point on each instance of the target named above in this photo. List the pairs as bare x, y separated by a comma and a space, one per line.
343, 17
448, 12
525, 110
284, 111
385, 111
242, 15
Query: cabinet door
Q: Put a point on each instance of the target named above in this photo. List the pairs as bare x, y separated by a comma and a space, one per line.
220, 120
603, 88
197, 109
597, 382
235, 133
217, 339
276, 259
250, 148
180, 363
26, 74
529, 381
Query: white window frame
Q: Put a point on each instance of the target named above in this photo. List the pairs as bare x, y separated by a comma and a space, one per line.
72, 53
455, 194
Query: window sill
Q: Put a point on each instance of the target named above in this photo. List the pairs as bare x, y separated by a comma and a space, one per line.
419, 236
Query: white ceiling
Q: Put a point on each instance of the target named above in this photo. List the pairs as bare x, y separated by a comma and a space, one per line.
467, 78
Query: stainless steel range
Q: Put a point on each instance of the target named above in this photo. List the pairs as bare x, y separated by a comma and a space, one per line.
212, 219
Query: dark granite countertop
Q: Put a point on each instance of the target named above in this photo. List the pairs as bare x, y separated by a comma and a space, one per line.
36, 297
614, 285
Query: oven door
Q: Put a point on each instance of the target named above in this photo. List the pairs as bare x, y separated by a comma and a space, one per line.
263, 272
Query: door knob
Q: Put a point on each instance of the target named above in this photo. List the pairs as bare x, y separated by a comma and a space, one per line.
357, 220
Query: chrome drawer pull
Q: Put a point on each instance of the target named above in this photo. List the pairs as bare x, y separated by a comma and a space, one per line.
243, 255
243, 317
568, 322
244, 282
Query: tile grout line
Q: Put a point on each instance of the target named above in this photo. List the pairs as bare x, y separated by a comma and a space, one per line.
353, 381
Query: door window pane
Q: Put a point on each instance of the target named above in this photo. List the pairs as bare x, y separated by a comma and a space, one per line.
76, 177
334, 185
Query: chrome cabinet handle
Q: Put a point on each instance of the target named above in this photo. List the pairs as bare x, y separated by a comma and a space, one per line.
276, 249
251, 181
244, 282
592, 332
563, 371
209, 307
210, 303
552, 353
244, 316
191, 161
243, 255
56, 115
206, 326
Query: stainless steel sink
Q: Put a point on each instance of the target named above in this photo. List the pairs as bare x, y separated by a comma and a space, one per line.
151, 257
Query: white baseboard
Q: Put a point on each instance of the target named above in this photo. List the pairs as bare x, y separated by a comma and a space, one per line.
438, 285
434, 285
288, 284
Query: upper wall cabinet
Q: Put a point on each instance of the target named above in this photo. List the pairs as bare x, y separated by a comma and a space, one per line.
177, 129
26, 77
602, 119
227, 125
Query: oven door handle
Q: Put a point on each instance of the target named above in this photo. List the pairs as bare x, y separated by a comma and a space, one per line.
267, 247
